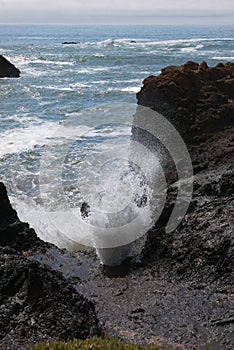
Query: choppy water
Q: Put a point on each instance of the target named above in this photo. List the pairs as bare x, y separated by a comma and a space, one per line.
71, 112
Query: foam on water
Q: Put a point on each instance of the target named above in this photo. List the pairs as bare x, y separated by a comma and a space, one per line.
133, 89
22, 139
226, 58
113, 191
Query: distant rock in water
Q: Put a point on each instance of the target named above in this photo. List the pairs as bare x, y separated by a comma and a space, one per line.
7, 69
39, 300
71, 42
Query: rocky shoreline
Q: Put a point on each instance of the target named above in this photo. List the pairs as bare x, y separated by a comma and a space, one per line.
180, 289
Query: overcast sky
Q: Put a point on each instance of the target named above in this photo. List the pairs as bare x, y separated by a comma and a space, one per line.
117, 11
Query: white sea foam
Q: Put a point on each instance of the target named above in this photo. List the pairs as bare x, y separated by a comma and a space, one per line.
192, 48
79, 85
133, 89
57, 62
100, 55
58, 88
24, 119
61, 227
226, 58
106, 42
149, 42
110, 131
115, 219
73, 114
91, 70
129, 89
29, 71
23, 139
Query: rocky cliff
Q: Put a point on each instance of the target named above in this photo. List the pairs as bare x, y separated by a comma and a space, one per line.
199, 101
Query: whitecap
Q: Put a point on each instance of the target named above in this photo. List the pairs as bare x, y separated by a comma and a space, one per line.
59, 63
133, 89
91, 70
228, 58
23, 139
106, 42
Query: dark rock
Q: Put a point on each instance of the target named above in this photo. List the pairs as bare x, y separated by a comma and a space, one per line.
184, 94
198, 100
7, 69
36, 302
71, 42
85, 210
13, 232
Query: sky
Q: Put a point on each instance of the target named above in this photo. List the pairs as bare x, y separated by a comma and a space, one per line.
117, 11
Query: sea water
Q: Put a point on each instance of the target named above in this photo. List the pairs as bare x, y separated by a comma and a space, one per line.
66, 122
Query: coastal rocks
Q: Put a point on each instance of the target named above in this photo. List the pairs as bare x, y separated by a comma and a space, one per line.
198, 100
7, 69
194, 97
36, 302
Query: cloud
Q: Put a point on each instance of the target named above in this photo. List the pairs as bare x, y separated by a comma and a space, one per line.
84, 10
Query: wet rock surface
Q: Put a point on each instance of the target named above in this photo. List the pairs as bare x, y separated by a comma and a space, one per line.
180, 289
7, 69
36, 302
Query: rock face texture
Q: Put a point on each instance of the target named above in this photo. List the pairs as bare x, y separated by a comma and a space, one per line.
7, 69
196, 98
199, 102
36, 302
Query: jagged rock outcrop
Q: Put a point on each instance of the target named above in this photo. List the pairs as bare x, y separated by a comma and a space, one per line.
36, 302
198, 100
7, 69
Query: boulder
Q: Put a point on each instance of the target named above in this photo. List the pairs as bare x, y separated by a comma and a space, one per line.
7, 69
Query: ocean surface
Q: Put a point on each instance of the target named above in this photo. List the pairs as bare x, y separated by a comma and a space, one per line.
65, 124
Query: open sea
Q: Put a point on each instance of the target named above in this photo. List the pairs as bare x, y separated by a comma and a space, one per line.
65, 124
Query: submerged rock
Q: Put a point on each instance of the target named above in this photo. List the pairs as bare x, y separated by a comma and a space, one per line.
36, 302
71, 42
7, 69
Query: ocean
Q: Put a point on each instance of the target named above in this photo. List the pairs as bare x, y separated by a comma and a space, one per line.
66, 122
